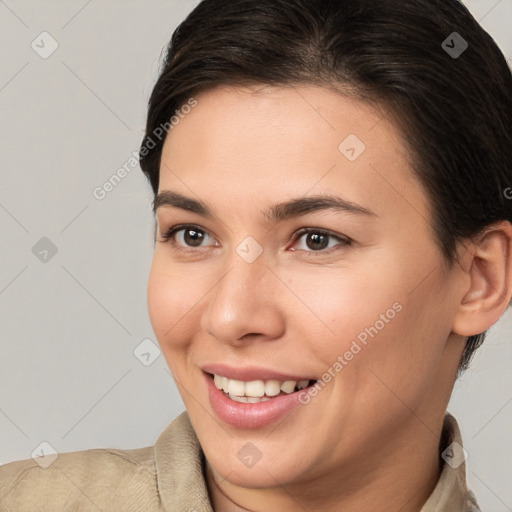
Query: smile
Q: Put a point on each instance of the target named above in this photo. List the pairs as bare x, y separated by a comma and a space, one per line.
256, 403
256, 391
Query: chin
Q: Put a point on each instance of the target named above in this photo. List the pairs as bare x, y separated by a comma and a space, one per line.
260, 476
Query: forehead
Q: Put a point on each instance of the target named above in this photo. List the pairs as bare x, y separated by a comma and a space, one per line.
255, 146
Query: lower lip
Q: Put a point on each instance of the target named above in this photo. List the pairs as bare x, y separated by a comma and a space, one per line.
247, 415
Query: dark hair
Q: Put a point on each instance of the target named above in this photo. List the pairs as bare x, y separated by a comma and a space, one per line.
453, 109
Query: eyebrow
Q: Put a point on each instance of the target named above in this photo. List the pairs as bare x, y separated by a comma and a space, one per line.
278, 212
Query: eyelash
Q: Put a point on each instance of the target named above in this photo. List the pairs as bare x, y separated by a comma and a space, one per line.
169, 234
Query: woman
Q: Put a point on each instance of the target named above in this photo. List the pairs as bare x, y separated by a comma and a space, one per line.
332, 242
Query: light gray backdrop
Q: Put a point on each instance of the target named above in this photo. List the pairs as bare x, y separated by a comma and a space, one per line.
75, 77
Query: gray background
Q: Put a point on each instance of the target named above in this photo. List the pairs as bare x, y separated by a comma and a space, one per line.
70, 323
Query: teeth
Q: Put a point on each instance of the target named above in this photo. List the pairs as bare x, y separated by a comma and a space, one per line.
256, 391
303, 384
288, 386
218, 381
255, 388
272, 388
248, 399
238, 398
236, 387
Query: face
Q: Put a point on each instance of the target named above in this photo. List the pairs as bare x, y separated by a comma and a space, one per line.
360, 303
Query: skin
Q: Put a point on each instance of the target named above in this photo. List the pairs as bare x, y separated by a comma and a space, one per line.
369, 439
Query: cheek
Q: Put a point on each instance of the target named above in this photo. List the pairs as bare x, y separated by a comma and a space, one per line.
170, 303
370, 318
401, 351
337, 305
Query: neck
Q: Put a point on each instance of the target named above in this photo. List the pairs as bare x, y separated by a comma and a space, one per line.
399, 476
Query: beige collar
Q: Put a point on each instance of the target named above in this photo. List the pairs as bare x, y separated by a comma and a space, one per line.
182, 482
451, 493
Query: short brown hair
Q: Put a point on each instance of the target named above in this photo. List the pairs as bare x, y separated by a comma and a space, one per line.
454, 111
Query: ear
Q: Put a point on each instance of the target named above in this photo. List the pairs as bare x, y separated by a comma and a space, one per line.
488, 280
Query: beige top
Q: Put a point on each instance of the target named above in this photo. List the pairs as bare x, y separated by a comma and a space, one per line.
168, 476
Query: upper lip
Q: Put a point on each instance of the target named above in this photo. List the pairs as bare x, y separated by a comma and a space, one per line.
249, 373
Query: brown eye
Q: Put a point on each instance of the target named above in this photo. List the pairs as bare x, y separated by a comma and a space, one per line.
193, 237
318, 240
183, 237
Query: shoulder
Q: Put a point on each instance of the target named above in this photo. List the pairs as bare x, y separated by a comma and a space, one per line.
104, 479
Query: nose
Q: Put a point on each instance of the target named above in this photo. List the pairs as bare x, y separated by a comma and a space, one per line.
245, 304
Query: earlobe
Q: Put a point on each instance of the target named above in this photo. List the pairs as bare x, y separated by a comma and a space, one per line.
489, 273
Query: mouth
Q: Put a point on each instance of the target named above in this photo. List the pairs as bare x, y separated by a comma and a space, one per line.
251, 397
259, 390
